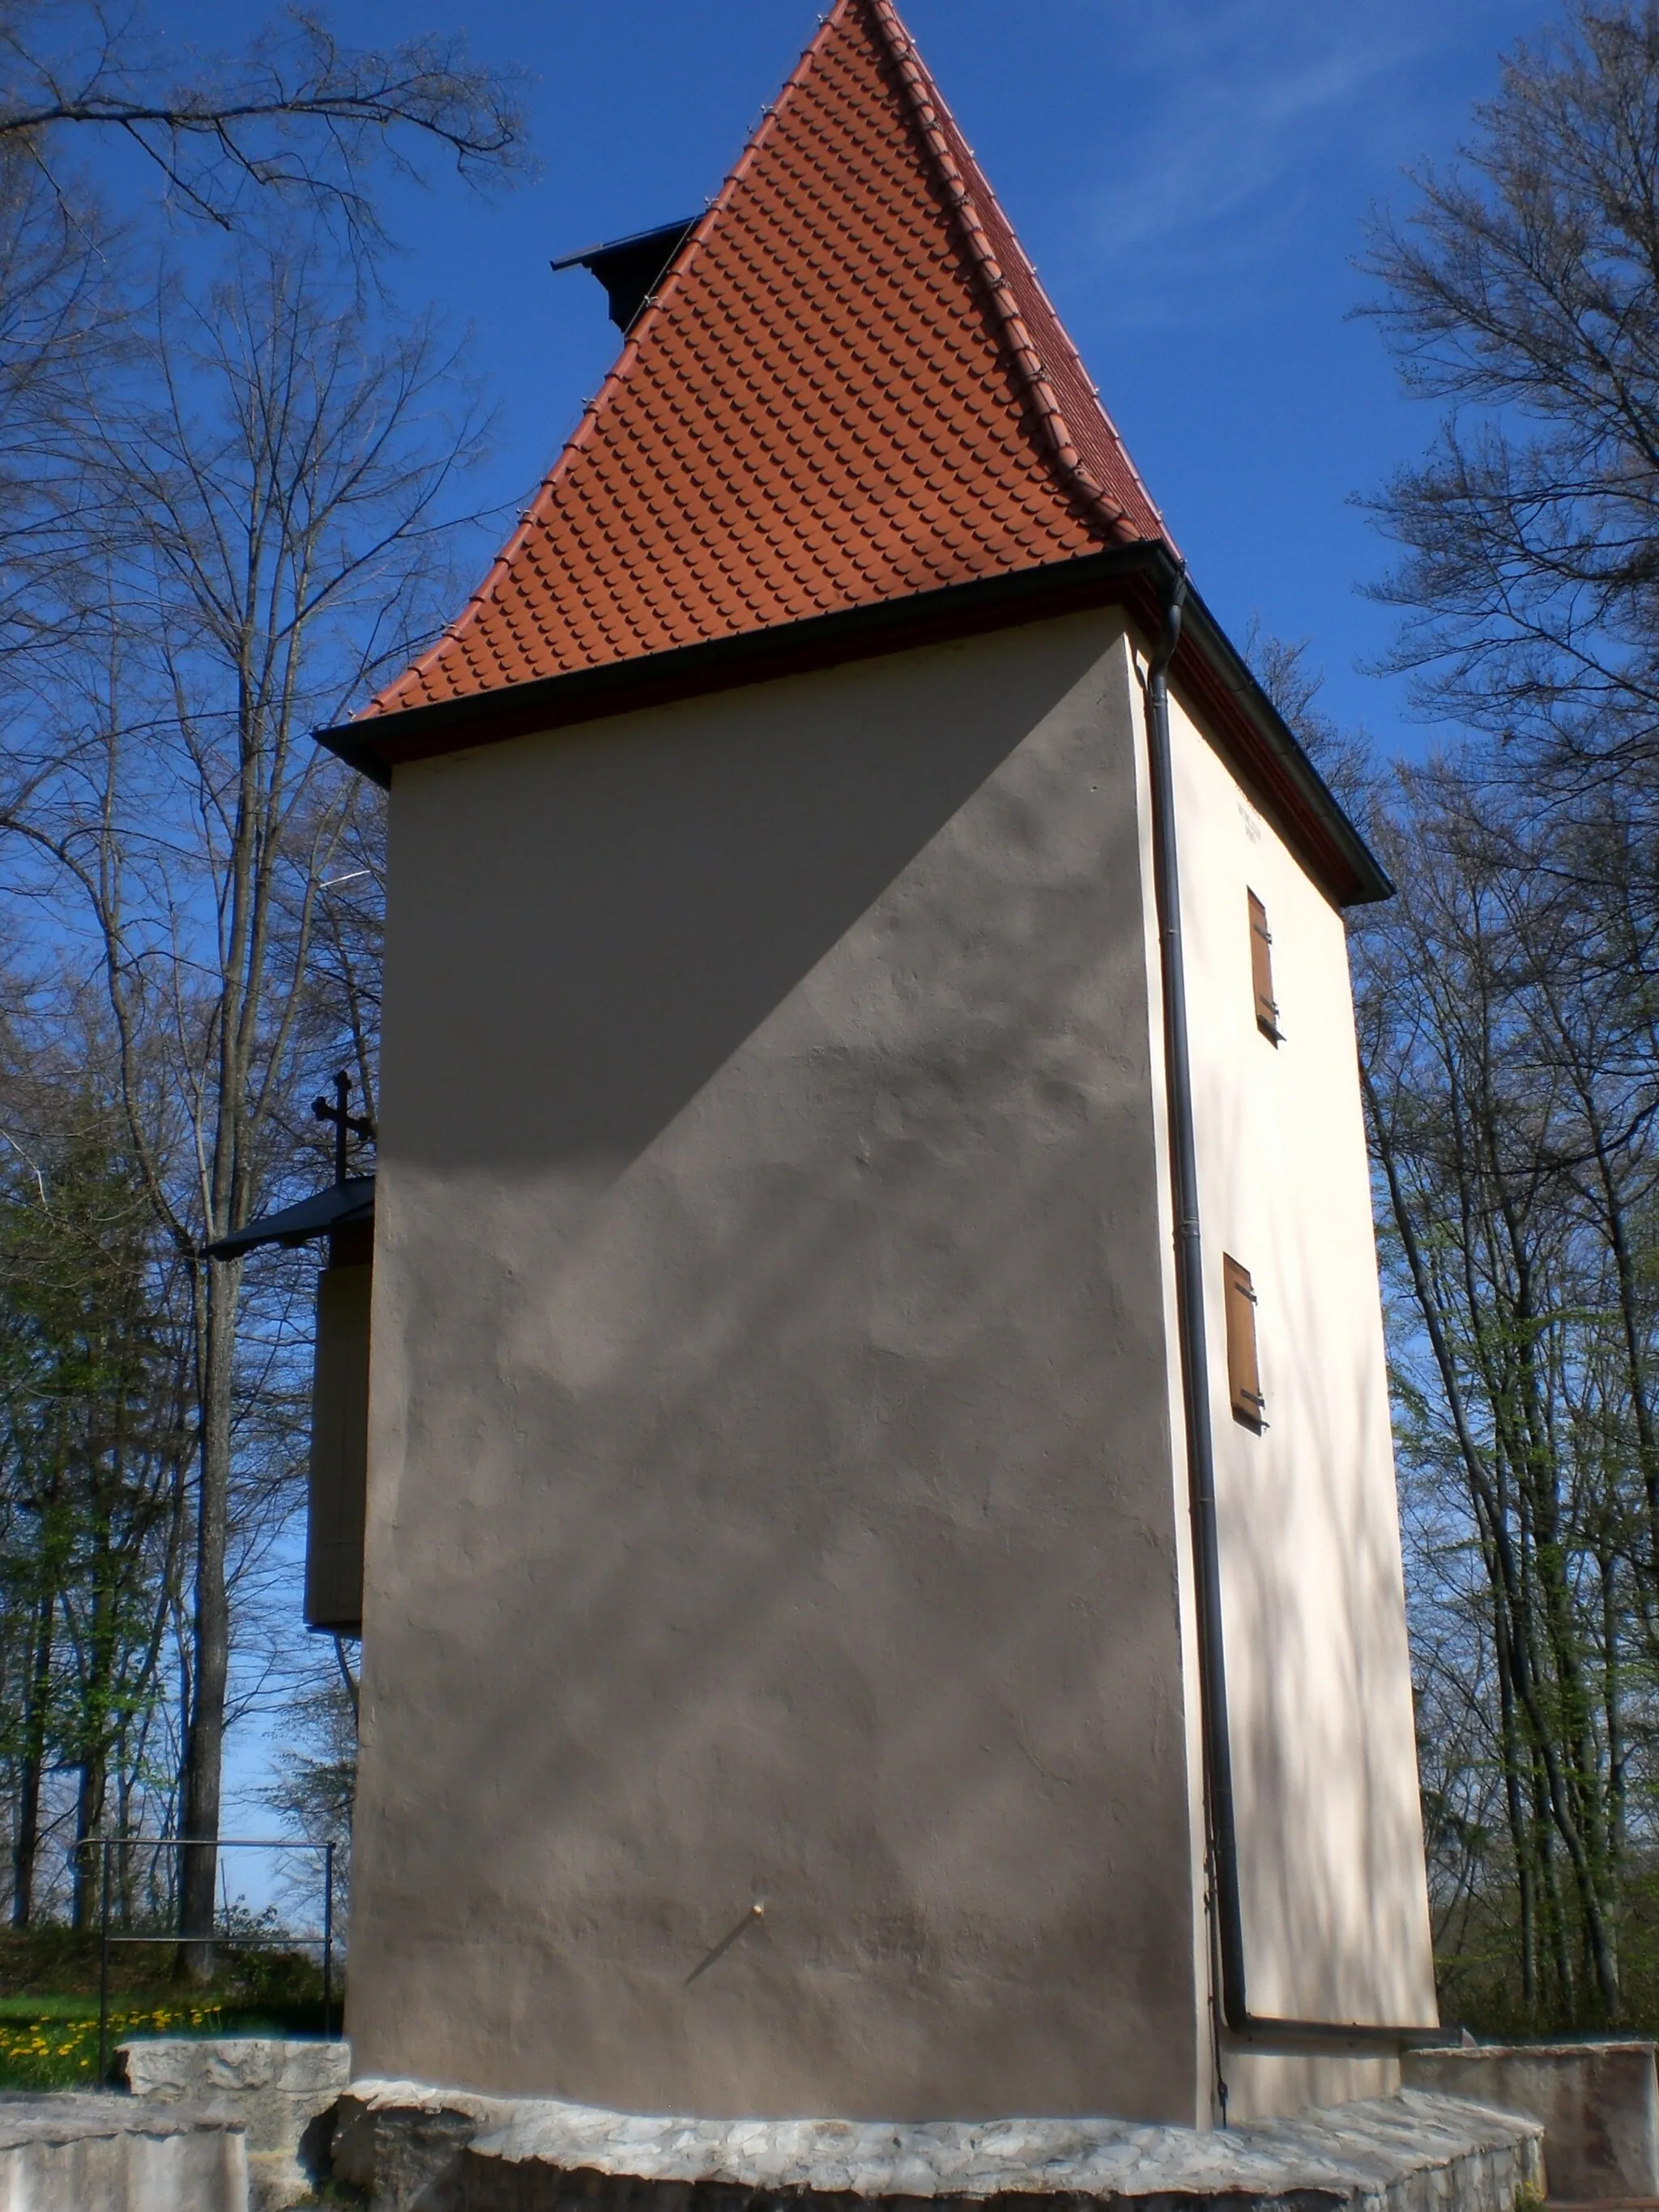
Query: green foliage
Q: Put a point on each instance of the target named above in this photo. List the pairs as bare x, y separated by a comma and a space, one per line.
94, 1444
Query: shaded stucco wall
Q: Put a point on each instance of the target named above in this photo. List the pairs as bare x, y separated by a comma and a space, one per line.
1336, 1922
773, 1497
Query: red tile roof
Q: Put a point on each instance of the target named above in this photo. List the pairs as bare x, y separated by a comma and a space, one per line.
851, 389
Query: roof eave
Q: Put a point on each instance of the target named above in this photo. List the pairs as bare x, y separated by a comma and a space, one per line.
340, 1205
1371, 882
1136, 577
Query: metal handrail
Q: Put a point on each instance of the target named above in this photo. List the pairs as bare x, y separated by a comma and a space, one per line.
105, 1844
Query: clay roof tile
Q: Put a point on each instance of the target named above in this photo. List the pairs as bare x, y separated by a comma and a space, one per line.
850, 387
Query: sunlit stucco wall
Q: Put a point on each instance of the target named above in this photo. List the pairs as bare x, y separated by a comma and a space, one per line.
1319, 1695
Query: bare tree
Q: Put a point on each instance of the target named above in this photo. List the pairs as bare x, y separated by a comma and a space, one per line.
1511, 1069
296, 119
285, 492
1522, 293
298, 113
60, 335
1509, 997
1510, 1090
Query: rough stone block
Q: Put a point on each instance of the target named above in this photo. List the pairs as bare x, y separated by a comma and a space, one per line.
282, 2091
71, 2153
1599, 2103
418, 2149
401, 2143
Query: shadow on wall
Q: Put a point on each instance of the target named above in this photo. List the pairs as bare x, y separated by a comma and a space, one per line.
787, 1392
588, 975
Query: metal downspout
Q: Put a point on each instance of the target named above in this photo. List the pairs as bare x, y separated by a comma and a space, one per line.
1220, 1821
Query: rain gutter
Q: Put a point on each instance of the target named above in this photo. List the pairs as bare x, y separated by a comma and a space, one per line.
1137, 578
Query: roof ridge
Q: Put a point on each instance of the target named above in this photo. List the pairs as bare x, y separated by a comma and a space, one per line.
926, 109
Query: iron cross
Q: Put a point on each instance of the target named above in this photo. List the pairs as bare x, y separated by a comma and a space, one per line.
346, 1126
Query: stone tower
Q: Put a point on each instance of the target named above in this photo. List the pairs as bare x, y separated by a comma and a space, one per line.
883, 1591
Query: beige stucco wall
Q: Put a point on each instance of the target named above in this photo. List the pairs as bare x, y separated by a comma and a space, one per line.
777, 1493
1335, 1909
773, 1496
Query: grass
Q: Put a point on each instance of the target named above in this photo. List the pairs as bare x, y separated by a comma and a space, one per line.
47, 2008
49, 2002
52, 2042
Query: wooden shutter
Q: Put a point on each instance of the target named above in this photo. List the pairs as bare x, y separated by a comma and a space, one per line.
340, 1452
1261, 971
1243, 1376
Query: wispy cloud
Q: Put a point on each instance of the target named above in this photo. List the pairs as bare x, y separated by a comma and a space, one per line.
1238, 126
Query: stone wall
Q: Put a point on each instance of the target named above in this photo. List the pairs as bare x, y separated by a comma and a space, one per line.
280, 2092
413, 2149
101, 2154
1598, 2104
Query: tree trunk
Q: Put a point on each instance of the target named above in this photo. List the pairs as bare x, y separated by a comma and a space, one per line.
31, 1766
205, 1748
94, 1731
1520, 1831
89, 1815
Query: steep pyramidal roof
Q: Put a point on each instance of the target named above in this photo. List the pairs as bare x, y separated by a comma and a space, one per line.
851, 389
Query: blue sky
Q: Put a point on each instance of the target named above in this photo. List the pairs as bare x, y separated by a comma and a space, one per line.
1192, 183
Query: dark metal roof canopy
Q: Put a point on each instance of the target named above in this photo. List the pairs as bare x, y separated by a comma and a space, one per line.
339, 1207
631, 269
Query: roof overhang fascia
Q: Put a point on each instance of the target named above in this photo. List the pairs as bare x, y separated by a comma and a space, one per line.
1229, 702
1210, 670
